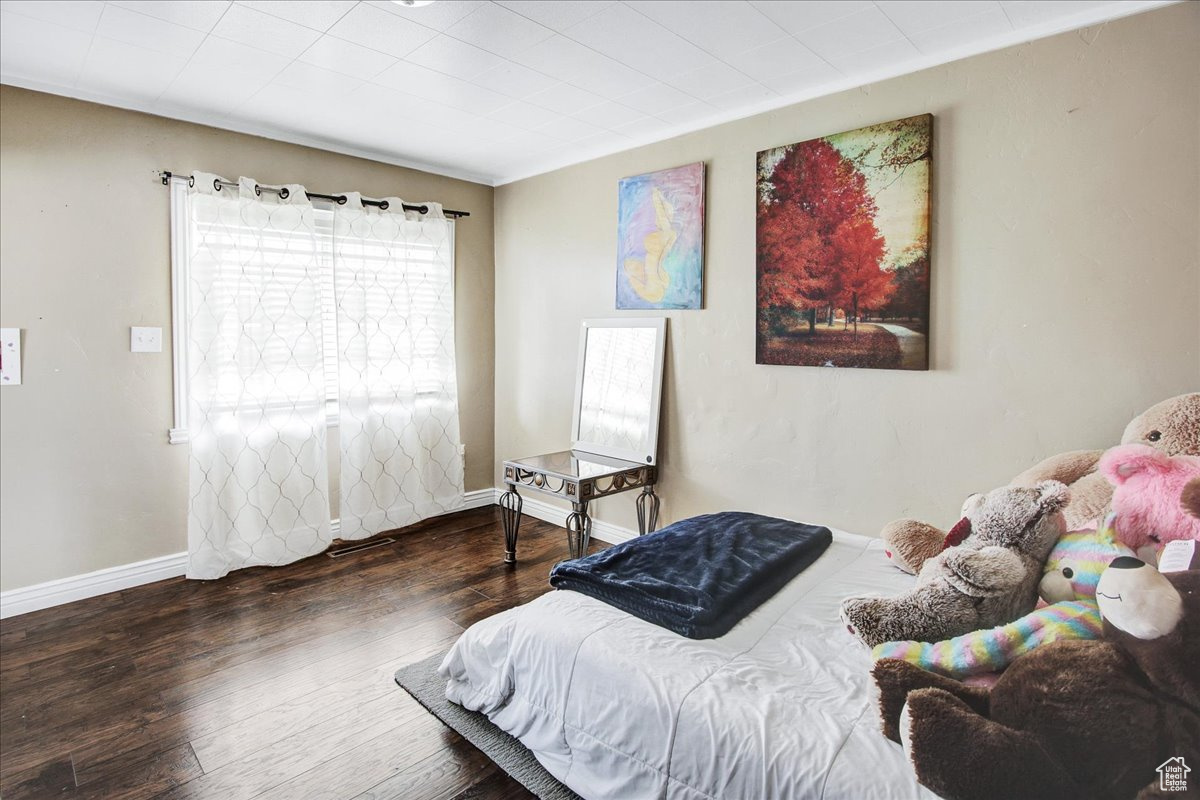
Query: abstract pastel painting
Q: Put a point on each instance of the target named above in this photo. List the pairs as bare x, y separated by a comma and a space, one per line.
660, 239
843, 249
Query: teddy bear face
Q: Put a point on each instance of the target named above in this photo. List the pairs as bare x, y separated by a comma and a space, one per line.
1171, 427
1137, 599
1148, 488
1077, 561
1011, 516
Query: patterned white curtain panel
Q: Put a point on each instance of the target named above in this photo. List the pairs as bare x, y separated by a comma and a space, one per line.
401, 458
258, 482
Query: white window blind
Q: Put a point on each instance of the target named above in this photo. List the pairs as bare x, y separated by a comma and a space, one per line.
267, 376
430, 365
419, 309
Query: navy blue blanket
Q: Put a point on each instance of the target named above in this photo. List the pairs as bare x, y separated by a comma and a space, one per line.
698, 577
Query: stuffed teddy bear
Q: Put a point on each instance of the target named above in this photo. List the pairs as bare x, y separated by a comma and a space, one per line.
1148, 496
1068, 586
989, 579
1172, 427
1074, 719
1190, 499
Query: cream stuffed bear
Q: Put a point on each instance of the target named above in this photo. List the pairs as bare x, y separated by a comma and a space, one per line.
1172, 427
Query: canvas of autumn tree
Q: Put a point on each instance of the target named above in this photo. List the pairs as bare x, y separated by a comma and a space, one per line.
843, 249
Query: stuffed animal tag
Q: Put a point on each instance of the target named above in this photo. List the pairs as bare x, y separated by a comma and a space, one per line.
1177, 555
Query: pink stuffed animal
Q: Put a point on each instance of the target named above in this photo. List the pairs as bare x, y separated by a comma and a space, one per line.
1148, 495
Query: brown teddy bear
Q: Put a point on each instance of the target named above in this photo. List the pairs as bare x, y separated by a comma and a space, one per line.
988, 580
1171, 427
1072, 719
1190, 500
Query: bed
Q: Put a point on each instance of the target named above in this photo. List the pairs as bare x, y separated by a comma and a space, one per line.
614, 707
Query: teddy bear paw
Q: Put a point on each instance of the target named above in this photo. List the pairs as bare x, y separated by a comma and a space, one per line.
849, 624
904, 727
859, 615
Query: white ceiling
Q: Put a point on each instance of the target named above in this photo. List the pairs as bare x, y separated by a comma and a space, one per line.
493, 91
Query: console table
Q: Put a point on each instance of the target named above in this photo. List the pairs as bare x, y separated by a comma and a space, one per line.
580, 478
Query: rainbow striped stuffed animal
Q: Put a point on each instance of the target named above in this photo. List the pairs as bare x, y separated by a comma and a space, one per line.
1068, 585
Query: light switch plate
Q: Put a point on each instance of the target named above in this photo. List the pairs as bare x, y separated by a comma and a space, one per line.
145, 340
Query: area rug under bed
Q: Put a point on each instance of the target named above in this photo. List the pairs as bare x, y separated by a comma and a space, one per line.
422, 681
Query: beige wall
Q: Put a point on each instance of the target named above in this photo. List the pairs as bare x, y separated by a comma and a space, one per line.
1066, 288
87, 479
1066, 293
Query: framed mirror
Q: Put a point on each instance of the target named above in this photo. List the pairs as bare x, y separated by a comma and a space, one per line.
618, 388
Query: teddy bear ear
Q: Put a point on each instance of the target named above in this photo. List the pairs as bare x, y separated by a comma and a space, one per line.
971, 504
1109, 539
1052, 495
1120, 463
1190, 498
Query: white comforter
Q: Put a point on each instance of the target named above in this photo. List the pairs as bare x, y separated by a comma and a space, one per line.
780, 707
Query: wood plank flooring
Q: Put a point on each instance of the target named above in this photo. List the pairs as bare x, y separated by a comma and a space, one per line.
269, 683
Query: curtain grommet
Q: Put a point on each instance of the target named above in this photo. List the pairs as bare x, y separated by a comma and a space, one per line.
284, 194
341, 200
383, 205
217, 184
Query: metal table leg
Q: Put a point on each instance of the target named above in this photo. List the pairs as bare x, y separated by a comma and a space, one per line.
579, 530
510, 518
647, 510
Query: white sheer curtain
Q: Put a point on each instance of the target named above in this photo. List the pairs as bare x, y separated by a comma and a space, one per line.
401, 455
258, 482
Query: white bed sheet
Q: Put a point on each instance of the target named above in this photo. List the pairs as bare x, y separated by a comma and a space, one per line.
614, 707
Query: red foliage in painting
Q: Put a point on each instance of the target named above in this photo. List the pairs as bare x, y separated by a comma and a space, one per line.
792, 253
818, 247
857, 249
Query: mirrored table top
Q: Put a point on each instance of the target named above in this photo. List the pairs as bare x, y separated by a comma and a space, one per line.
574, 464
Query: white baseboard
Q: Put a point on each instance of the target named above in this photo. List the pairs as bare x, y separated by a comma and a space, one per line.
80, 587
547, 512
479, 498
113, 579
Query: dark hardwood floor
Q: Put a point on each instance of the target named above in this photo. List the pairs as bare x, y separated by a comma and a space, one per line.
269, 683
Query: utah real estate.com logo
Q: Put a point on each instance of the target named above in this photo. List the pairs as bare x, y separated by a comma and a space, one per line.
1172, 775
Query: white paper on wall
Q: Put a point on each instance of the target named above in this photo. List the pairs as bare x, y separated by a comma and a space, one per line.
10, 356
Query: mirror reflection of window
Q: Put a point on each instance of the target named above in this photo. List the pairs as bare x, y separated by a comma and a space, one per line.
618, 381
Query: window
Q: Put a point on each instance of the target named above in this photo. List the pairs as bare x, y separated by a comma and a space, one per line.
428, 368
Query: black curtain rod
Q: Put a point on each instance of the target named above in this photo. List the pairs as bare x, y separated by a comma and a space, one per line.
335, 198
